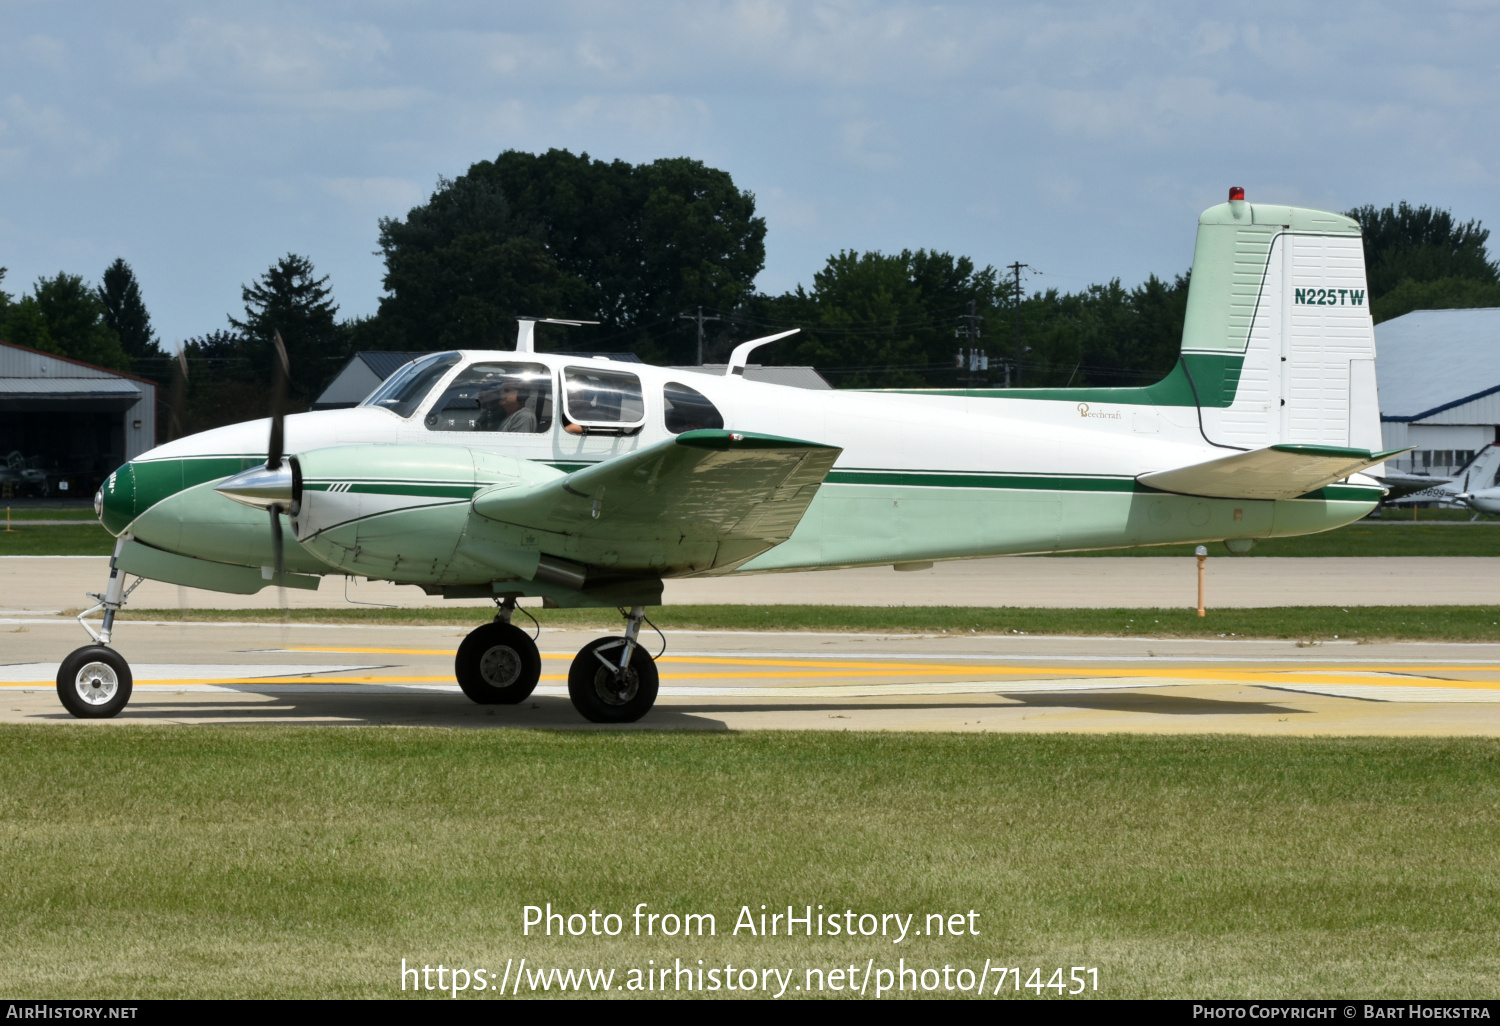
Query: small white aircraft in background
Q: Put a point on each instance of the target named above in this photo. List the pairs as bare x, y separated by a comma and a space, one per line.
1475, 484
587, 482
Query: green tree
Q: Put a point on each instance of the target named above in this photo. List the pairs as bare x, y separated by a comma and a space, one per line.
880, 319
24, 325
1421, 244
125, 312
74, 318
226, 384
1442, 294
290, 298
564, 235
460, 269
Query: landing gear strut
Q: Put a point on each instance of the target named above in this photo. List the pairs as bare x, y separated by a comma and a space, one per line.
614, 680
94, 682
497, 664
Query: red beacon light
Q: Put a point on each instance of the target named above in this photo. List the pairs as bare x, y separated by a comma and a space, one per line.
1236, 193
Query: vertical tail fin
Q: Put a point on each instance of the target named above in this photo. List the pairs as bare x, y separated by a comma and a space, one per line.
1278, 337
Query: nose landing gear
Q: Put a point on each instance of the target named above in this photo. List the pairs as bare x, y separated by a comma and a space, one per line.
94, 682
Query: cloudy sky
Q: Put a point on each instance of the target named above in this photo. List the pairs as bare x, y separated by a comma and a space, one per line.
201, 141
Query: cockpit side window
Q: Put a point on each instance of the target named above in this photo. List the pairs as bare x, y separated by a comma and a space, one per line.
509, 397
406, 389
687, 409
603, 398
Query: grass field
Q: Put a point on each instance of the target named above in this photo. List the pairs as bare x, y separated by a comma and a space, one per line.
1428, 623
87, 539
1391, 537
278, 862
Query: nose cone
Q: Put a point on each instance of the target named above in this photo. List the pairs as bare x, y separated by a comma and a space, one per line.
116, 500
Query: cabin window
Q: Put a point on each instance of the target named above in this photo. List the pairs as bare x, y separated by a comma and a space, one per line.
603, 398
406, 389
687, 409
515, 398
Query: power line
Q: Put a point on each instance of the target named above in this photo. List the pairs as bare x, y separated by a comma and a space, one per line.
700, 318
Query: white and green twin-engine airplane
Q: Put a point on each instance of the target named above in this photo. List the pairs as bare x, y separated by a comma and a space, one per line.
587, 482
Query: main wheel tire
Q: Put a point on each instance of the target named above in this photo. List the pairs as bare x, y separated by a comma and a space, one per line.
602, 694
94, 682
497, 664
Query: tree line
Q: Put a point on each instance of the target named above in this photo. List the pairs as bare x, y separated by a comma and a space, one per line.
637, 246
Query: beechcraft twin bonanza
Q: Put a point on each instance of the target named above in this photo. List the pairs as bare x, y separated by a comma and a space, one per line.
588, 482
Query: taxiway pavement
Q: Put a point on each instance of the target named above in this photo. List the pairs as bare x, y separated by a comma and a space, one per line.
195, 673
37, 583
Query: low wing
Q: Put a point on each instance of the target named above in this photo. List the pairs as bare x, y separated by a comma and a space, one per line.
739, 492
1275, 472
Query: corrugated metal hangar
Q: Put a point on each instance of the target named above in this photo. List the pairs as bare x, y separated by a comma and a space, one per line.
1438, 372
65, 425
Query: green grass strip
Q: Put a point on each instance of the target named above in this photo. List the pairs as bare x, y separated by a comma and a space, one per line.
87, 539
1431, 623
220, 862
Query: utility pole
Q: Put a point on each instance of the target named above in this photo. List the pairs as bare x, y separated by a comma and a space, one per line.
1016, 269
700, 319
971, 357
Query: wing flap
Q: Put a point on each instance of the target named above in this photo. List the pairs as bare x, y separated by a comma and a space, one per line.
1275, 472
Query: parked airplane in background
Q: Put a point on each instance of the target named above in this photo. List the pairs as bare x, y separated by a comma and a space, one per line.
588, 482
1476, 478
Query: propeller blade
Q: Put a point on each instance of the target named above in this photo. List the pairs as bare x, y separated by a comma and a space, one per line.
177, 411
278, 545
280, 373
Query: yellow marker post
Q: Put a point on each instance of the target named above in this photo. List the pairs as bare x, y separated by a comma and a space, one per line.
1202, 555
7, 518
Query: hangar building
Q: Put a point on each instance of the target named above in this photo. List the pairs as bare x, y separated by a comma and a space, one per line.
1438, 372
65, 425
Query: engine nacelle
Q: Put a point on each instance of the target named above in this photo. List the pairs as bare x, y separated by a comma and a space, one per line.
401, 511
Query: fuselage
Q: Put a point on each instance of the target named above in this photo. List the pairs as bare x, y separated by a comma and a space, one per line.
922, 477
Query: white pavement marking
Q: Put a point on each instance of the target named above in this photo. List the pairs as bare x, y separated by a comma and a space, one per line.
46, 673
1393, 693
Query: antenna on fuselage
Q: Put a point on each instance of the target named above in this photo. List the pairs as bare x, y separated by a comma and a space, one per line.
526, 330
741, 354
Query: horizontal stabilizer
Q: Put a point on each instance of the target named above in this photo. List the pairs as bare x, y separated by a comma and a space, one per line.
702, 486
1275, 472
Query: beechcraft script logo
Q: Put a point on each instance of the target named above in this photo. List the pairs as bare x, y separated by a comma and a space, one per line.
1084, 411
1328, 297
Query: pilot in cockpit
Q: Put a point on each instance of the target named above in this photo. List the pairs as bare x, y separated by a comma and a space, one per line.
514, 403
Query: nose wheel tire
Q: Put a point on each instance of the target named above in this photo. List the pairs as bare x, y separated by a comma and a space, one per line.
94, 682
497, 664
605, 695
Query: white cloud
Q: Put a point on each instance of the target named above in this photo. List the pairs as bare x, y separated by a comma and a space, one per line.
275, 56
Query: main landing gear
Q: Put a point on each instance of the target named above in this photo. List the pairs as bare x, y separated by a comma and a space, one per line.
94, 682
612, 680
497, 664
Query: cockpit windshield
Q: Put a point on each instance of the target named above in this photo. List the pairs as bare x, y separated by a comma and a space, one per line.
406, 389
